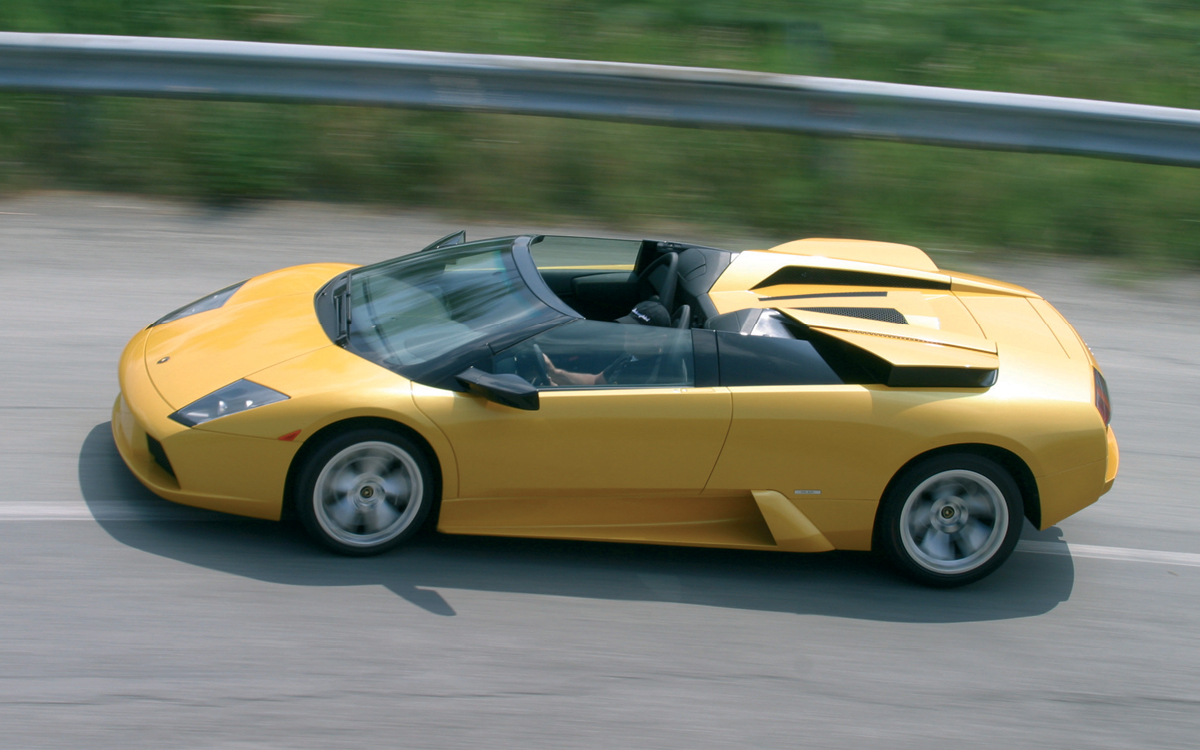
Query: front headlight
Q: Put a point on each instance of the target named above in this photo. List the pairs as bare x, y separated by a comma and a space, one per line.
231, 399
204, 304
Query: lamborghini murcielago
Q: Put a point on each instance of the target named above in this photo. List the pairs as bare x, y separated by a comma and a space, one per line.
822, 394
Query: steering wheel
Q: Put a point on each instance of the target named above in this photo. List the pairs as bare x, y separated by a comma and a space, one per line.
531, 366
646, 286
543, 377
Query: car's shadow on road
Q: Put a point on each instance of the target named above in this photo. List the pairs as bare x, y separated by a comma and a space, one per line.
836, 584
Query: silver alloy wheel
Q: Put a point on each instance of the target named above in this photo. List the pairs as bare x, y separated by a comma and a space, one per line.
954, 521
368, 493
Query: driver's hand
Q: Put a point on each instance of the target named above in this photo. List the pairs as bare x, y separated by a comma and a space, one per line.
552, 372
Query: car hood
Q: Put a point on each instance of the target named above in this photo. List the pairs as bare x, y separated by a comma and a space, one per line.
269, 320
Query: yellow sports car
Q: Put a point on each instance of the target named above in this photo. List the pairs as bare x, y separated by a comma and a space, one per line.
823, 394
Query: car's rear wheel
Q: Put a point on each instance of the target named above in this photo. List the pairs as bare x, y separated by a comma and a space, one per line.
365, 492
950, 520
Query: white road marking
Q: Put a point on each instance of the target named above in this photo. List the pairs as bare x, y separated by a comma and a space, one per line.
1186, 559
44, 512
663, 585
68, 511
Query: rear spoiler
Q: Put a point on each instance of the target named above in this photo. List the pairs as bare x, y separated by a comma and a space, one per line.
910, 356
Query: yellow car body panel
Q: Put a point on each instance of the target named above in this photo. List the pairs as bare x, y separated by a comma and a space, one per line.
939, 310
1112, 462
800, 467
728, 520
1070, 491
366, 391
750, 269
584, 438
822, 444
892, 332
275, 320
227, 473
565, 469
880, 253
1014, 321
965, 283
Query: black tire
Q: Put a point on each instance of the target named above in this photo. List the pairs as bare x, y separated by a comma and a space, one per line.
950, 520
365, 492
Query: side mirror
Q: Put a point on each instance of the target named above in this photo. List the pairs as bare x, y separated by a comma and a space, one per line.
506, 389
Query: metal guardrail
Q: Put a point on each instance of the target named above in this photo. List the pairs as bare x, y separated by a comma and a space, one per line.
653, 94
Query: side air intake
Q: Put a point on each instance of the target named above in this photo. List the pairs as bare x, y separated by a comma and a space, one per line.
159, 455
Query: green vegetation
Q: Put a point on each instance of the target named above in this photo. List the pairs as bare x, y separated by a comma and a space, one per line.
630, 177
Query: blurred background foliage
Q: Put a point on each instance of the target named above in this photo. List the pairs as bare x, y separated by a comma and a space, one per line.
639, 177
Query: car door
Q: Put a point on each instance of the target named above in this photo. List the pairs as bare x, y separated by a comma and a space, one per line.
625, 459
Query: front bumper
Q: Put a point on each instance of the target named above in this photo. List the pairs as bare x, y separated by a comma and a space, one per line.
218, 471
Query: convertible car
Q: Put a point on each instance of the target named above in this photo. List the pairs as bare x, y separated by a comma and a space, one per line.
822, 394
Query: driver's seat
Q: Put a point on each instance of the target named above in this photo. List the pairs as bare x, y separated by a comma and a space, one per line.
658, 280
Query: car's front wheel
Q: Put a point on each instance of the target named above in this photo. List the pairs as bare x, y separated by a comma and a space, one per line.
365, 492
950, 520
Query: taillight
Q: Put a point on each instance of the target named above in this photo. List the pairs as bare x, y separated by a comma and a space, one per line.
1103, 403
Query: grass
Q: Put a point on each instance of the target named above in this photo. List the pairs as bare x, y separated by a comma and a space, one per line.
633, 176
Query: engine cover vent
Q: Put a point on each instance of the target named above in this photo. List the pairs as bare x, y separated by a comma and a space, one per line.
882, 314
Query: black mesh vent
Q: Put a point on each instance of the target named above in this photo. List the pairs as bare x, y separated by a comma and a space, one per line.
159, 455
882, 314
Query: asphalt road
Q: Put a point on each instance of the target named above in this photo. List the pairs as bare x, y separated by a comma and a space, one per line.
127, 622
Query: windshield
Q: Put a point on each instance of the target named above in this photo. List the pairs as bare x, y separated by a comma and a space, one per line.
413, 310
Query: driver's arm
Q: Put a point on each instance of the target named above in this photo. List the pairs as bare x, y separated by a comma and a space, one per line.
566, 377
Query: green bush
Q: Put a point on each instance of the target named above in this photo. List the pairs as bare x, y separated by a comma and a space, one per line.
638, 176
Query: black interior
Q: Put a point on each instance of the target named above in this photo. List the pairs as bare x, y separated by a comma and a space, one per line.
596, 295
599, 294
